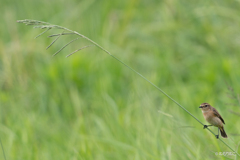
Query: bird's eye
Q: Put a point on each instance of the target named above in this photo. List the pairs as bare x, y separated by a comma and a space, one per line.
206, 105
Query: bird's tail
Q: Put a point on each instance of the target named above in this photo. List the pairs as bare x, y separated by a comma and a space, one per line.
223, 133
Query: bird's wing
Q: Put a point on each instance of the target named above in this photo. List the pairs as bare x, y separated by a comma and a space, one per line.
218, 115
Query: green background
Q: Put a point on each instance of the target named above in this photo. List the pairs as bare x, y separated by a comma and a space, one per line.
89, 106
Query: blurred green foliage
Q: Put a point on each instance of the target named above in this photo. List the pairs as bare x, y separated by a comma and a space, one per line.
89, 106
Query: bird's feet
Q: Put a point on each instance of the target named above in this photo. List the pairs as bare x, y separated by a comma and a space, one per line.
205, 126
217, 136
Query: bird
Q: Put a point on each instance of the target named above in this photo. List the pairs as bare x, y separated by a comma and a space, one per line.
212, 116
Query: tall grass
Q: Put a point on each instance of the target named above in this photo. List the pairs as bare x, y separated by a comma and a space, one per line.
90, 107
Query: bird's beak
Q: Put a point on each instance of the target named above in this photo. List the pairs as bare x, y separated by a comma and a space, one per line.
200, 107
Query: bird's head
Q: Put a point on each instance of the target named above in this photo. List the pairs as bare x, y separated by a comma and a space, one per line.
205, 106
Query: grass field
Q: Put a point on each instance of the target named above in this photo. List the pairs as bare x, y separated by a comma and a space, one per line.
91, 107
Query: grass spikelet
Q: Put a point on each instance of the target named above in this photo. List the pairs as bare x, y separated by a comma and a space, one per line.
79, 50
65, 46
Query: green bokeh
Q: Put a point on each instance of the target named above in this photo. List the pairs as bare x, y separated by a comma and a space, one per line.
91, 107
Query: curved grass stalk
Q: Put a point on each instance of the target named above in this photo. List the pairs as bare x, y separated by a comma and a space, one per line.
45, 25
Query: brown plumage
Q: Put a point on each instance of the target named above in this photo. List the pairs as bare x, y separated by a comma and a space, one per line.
212, 116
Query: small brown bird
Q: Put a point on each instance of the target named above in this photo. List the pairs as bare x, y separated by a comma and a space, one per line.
212, 116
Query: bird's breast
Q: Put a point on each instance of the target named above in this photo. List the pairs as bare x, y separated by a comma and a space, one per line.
212, 119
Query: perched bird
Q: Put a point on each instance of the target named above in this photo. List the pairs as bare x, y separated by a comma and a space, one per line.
212, 116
